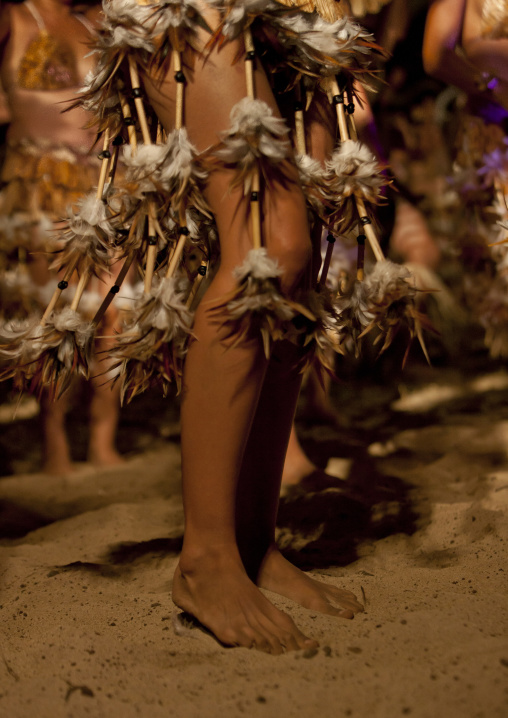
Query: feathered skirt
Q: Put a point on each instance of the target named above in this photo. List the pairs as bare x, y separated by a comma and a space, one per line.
156, 217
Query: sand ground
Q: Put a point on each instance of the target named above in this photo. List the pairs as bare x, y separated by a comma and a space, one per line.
417, 525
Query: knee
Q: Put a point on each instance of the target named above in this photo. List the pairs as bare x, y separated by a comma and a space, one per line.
293, 257
289, 243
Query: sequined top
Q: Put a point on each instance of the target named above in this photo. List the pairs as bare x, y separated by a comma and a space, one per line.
36, 103
48, 64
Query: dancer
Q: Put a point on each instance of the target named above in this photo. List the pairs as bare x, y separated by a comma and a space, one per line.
465, 44
44, 46
169, 83
454, 48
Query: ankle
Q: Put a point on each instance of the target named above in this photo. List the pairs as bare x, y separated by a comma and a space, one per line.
209, 558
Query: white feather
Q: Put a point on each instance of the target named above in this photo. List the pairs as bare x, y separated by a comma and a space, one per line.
389, 278
353, 169
258, 265
254, 132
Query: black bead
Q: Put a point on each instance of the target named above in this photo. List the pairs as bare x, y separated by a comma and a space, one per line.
184, 231
350, 108
330, 238
152, 241
298, 106
365, 220
63, 284
202, 270
104, 155
361, 239
250, 55
179, 76
254, 196
136, 92
118, 141
115, 289
128, 121
338, 100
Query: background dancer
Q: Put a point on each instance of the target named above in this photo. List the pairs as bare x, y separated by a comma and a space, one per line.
44, 57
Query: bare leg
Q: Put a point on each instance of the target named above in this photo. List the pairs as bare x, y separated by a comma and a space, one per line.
297, 464
105, 399
56, 452
104, 414
221, 392
222, 386
260, 479
258, 496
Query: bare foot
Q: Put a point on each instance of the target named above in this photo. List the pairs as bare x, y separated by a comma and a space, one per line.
105, 457
57, 466
278, 575
218, 593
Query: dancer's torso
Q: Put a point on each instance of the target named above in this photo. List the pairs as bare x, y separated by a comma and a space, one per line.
44, 65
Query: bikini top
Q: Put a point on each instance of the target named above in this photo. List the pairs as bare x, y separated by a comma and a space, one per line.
495, 18
48, 63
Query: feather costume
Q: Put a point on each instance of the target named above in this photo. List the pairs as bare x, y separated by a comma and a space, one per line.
156, 217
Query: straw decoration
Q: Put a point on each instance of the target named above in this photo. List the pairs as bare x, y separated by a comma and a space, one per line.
157, 217
160, 179
153, 342
46, 356
352, 172
257, 146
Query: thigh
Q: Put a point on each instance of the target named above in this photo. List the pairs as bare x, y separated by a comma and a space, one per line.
215, 83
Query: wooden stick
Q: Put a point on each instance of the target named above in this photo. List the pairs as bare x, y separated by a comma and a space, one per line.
249, 62
62, 285
300, 132
369, 230
151, 255
177, 254
340, 110
197, 282
113, 291
180, 86
126, 112
113, 164
255, 210
83, 281
104, 165
328, 258
255, 186
138, 101
360, 205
